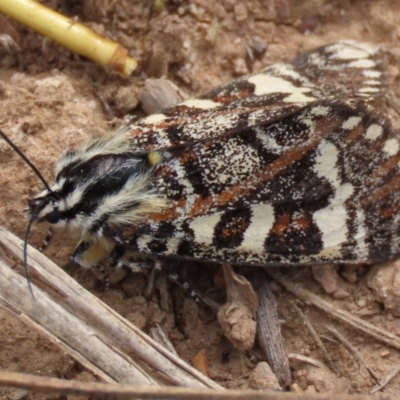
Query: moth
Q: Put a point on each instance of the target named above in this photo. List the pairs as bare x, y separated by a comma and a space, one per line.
289, 166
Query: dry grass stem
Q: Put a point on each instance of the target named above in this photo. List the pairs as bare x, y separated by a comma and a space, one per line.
395, 371
79, 319
341, 315
352, 350
305, 359
113, 391
317, 340
269, 334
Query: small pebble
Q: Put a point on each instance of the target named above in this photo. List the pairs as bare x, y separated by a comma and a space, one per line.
262, 377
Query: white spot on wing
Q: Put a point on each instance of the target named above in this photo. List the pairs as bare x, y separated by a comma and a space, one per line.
372, 82
261, 222
172, 245
214, 126
256, 117
285, 70
368, 90
203, 228
143, 241
320, 110
362, 63
265, 84
373, 132
269, 143
372, 73
154, 119
365, 46
391, 147
332, 223
201, 104
316, 59
351, 123
332, 220
352, 44
343, 52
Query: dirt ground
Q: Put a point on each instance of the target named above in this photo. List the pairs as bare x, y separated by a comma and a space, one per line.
51, 100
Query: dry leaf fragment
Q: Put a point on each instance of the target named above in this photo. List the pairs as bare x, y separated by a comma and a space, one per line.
201, 363
237, 316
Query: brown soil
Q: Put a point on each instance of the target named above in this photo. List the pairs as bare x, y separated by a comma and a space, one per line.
51, 100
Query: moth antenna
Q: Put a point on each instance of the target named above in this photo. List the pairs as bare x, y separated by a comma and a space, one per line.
28, 230
25, 158
34, 214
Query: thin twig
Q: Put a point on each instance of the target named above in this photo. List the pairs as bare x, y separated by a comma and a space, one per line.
99, 323
341, 315
269, 330
317, 341
113, 391
352, 350
386, 379
159, 336
305, 359
60, 324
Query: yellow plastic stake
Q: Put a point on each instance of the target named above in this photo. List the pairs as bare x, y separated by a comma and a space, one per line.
70, 34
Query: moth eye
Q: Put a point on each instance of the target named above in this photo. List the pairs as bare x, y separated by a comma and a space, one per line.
54, 216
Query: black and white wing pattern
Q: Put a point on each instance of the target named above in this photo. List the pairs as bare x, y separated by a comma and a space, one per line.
341, 71
288, 166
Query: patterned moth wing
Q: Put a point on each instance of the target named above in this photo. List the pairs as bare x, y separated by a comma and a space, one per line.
289, 166
341, 71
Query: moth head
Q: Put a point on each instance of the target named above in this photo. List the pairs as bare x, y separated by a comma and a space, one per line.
45, 207
90, 188
105, 182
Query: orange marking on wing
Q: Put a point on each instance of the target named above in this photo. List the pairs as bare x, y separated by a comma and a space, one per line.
202, 206
235, 227
387, 167
302, 223
170, 213
242, 94
390, 211
381, 192
354, 134
281, 225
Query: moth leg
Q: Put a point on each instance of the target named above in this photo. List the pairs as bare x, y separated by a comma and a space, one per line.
104, 275
117, 253
165, 268
46, 241
150, 279
185, 286
82, 248
88, 254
